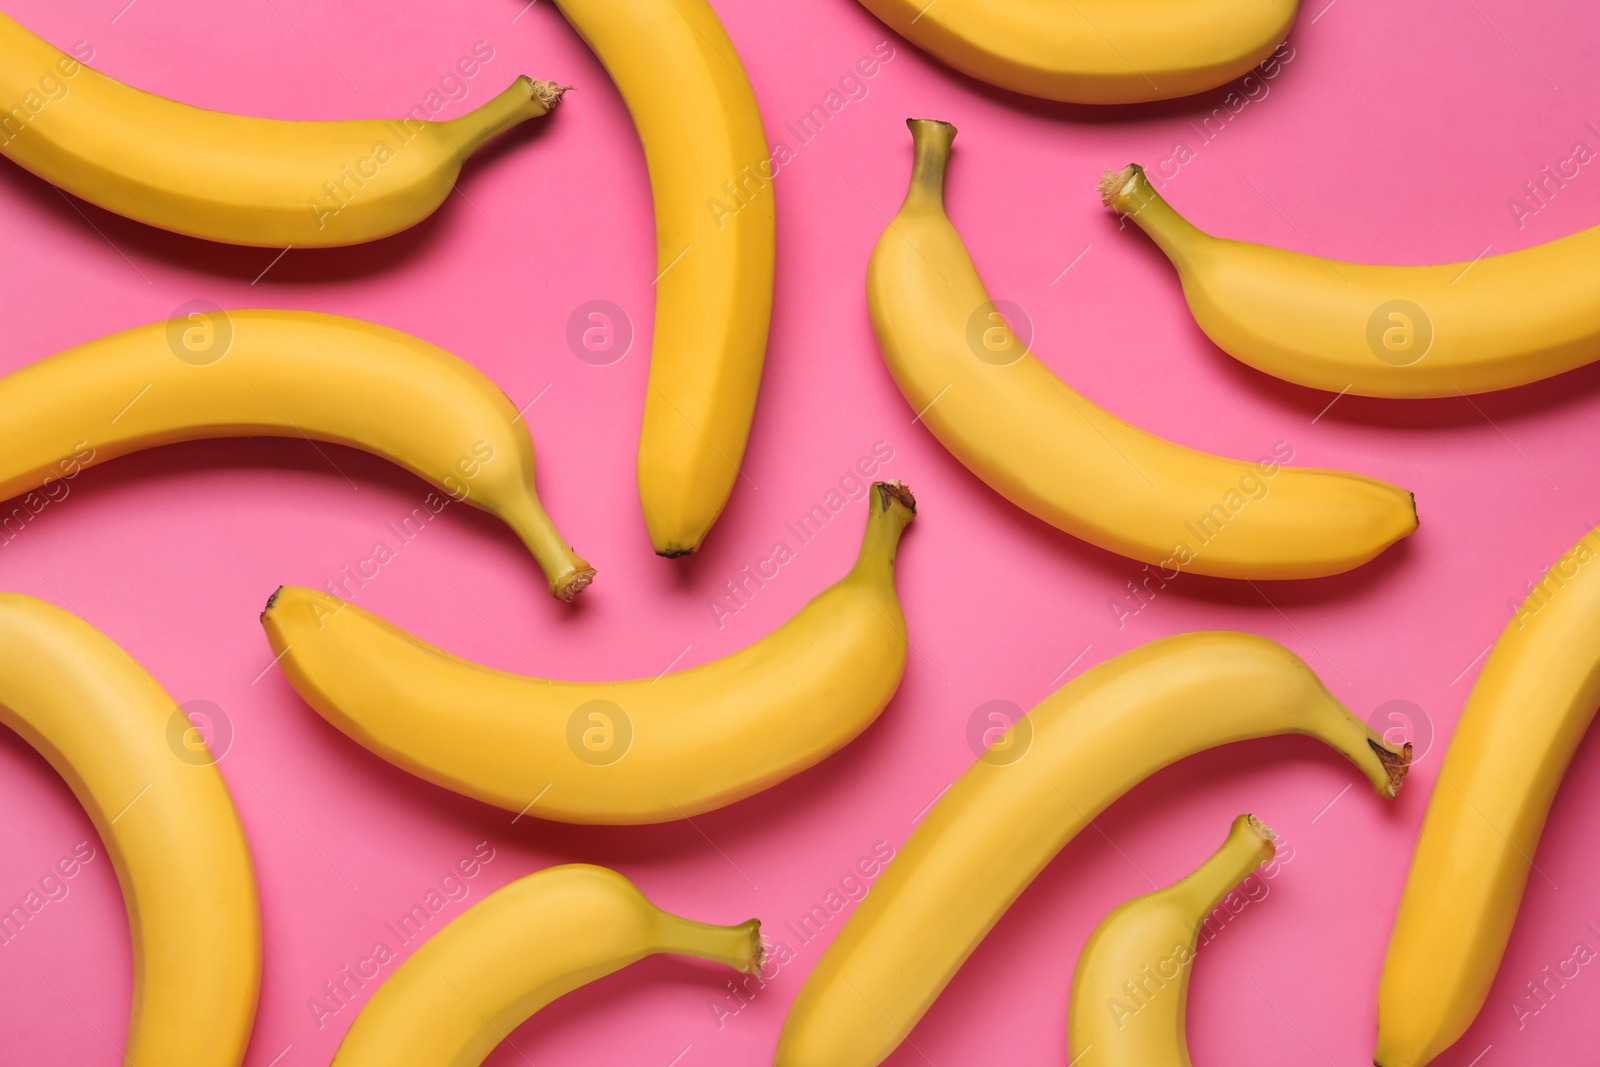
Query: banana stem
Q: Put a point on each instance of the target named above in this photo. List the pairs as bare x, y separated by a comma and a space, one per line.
567, 572
930, 146
1249, 845
524, 99
1128, 191
737, 946
891, 509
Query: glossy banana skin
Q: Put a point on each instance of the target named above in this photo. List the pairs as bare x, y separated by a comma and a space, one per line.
296, 374
515, 951
990, 835
703, 141
1094, 51
1422, 331
230, 178
166, 820
642, 751
1524, 719
1128, 1008
1051, 451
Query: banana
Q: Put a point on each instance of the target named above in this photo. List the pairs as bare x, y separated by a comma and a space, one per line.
644, 751
1420, 331
1094, 51
711, 176
515, 951
1047, 449
281, 374
1122, 1012
1526, 714
231, 178
1040, 783
167, 822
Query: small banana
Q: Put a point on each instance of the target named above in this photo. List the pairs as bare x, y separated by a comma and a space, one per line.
1527, 712
645, 751
1422, 331
711, 176
1094, 51
166, 819
1040, 783
1053, 453
512, 953
296, 374
230, 178
1130, 993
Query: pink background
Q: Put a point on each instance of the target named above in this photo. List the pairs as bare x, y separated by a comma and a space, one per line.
1392, 135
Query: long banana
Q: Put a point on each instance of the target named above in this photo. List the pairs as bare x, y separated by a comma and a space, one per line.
230, 178
1420, 331
1094, 51
168, 823
645, 751
512, 953
993, 831
295, 374
1527, 712
711, 177
1053, 453
1130, 993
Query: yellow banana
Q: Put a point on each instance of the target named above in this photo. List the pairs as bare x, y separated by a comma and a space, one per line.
167, 821
230, 178
712, 182
1094, 51
1130, 992
1423, 331
515, 951
300, 374
1042, 782
1053, 453
1528, 710
645, 751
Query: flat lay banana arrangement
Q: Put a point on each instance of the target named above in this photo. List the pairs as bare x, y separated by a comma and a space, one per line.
712, 735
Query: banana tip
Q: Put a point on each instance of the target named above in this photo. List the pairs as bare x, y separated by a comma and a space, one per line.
1114, 184
895, 491
549, 93
1395, 764
1266, 832
573, 584
271, 600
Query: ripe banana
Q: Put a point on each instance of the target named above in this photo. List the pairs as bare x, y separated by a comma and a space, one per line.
230, 178
1424, 331
515, 951
711, 177
993, 831
642, 751
1094, 51
168, 823
1522, 722
1048, 450
281, 374
1122, 1012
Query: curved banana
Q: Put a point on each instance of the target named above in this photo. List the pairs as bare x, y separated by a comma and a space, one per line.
1042, 782
260, 373
512, 953
641, 751
711, 176
1527, 712
167, 821
1054, 454
230, 178
1130, 992
1094, 51
1425, 331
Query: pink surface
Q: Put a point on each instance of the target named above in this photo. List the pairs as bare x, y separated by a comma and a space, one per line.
1392, 134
